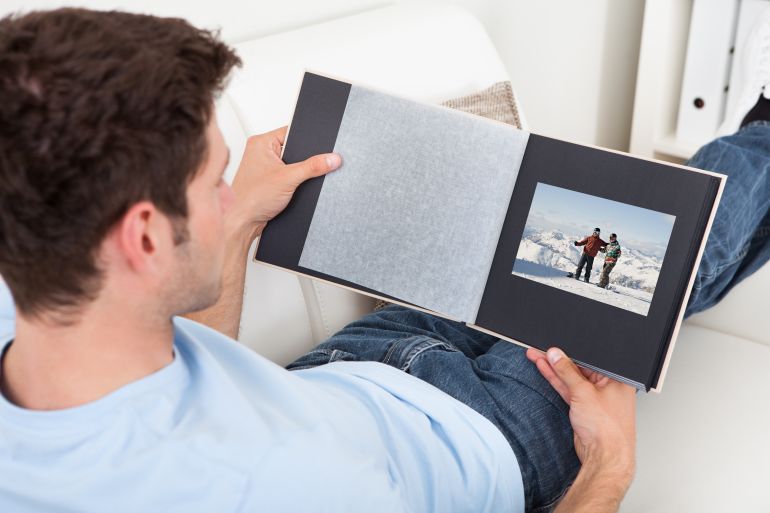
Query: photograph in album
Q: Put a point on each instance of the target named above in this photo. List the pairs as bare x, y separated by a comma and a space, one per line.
594, 247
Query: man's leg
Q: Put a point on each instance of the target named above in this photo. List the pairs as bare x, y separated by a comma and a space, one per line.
604, 280
589, 265
581, 263
491, 376
379, 335
739, 242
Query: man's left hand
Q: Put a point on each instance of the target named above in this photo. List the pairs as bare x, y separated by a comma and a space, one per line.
603, 417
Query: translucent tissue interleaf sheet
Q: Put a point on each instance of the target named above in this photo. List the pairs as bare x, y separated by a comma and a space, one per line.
417, 207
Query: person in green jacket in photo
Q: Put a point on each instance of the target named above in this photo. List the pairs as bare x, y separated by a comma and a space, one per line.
611, 254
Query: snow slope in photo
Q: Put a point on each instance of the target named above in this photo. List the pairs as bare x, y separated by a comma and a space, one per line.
636, 301
546, 256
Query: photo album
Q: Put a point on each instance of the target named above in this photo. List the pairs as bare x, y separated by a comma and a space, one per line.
538, 241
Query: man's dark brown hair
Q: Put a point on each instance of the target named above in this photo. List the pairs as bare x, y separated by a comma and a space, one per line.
98, 111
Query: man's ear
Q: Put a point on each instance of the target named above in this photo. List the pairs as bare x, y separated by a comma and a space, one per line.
143, 237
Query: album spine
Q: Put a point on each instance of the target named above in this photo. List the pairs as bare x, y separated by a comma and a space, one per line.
695, 245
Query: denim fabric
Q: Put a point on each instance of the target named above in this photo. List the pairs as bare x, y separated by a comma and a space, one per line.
738, 243
491, 376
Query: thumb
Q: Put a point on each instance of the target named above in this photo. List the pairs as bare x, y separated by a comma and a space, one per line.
316, 166
565, 369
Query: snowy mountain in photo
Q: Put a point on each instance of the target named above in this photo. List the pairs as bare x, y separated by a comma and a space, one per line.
635, 269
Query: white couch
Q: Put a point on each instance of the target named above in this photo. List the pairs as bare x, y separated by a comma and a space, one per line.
704, 443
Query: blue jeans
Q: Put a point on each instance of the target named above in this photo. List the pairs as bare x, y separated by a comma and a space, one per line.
494, 377
739, 242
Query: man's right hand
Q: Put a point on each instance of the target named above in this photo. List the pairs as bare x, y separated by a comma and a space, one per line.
264, 184
603, 417
575, 243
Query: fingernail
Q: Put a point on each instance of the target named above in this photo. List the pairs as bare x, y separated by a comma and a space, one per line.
554, 355
333, 160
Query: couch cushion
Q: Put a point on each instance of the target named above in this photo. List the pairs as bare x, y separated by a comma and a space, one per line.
743, 312
704, 443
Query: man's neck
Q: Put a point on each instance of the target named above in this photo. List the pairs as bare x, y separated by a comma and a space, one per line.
49, 367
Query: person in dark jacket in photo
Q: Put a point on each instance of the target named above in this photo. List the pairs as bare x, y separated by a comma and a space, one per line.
591, 246
611, 254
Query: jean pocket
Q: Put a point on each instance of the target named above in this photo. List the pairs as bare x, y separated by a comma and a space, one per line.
403, 352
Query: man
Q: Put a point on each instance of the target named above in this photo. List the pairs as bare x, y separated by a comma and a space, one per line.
611, 254
591, 246
115, 218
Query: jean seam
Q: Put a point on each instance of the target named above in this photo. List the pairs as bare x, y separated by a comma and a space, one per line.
740, 256
389, 353
551, 504
338, 354
313, 354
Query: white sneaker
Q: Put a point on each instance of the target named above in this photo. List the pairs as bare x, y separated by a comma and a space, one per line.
753, 76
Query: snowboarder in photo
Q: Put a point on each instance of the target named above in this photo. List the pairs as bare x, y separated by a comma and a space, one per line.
591, 246
611, 254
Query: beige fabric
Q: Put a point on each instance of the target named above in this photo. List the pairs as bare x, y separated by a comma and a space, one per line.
495, 102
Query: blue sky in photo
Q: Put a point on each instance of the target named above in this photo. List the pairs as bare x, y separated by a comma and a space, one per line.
576, 214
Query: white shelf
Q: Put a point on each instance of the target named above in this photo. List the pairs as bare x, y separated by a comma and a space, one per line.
659, 80
661, 69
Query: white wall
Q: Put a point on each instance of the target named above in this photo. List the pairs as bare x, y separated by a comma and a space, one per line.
573, 64
238, 19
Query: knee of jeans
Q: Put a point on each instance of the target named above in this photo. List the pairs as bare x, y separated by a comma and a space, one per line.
713, 279
510, 360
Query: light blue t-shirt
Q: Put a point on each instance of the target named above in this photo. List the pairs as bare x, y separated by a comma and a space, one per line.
223, 430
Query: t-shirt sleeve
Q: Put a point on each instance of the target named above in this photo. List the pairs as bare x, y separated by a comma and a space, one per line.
7, 310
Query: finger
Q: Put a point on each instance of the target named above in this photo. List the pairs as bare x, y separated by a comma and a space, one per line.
278, 133
315, 166
550, 376
540, 360
564, 368
623, 388
533, 355
602, 381
275, 140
